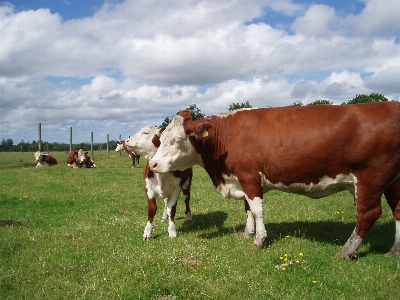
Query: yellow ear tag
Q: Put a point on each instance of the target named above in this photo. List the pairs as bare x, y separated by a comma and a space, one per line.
205, 134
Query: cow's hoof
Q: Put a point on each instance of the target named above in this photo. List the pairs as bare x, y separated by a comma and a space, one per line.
258, 245
353, 255
247, 234
146, 238
392, 253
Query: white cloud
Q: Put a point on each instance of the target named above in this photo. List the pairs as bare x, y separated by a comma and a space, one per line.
317, 21
141, 61
377, 17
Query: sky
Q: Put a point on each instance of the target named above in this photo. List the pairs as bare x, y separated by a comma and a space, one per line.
114, 66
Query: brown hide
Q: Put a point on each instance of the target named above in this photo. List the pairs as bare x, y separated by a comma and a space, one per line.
50, 160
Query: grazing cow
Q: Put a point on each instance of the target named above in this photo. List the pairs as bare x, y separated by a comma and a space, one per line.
313, 151
79, 159
135, 157
44, 160
167, 185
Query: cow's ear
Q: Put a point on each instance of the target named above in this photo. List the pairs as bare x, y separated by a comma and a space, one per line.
186, 114
86, 152
201, 131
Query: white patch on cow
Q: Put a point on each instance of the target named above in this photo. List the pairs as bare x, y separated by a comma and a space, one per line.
397, 234
39, 158
188, 217
147, 231
141, 143
326, 186
172, 229
176, 152
165, 214
250, 225
256, 207
231, 188
163, 186
349, 250
120, 147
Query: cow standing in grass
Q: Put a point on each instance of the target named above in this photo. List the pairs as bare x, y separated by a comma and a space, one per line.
44, 160
313, 151
167, 186
135, 157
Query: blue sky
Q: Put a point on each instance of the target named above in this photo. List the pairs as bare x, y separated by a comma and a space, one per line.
111, 67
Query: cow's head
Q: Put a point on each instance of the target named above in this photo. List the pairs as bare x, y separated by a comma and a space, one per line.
38, 156
145, 141
120, 146
80, 156
180, 146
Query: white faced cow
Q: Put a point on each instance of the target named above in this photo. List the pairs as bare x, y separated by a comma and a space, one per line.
313, 151
44, 160
167, 185
80, 159
121, 147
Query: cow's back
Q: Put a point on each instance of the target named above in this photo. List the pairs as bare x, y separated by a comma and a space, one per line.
301, 144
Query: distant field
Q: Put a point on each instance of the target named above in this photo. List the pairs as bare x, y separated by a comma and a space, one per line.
77, 234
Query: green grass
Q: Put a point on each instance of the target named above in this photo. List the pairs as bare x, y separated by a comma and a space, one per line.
77, 234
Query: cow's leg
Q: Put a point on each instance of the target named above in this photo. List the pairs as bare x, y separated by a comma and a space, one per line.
256, 207
186, 196
165, 214
151, 212
368, 211
250, 225
171, 210
392, 195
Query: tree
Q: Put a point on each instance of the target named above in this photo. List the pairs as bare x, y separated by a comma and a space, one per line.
362, 98
194, 110
297, 103
320, 102
235, 106
166, 121
7, 145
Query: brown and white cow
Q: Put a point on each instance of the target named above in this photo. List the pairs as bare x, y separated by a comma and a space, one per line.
89, 163
44, 160
80, 159
313, 151
135, 157
167, 185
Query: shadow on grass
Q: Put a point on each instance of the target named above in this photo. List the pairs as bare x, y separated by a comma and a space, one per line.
380, 238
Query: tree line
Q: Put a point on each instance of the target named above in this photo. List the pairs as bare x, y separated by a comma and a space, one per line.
8, 144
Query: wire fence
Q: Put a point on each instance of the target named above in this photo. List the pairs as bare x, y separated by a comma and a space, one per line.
31, 139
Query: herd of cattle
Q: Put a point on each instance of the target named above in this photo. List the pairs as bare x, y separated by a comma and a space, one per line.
75, 159
313, 151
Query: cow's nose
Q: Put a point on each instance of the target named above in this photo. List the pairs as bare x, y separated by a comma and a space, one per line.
153, 165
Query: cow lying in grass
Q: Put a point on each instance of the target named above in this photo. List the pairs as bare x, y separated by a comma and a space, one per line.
80, 159
44, 160
135, 157
167, 186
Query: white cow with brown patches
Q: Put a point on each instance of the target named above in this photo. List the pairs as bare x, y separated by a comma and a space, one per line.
166, 186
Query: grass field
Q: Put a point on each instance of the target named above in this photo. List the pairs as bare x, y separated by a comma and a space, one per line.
77, 234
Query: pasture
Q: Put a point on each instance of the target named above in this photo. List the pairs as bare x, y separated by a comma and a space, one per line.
77, 234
